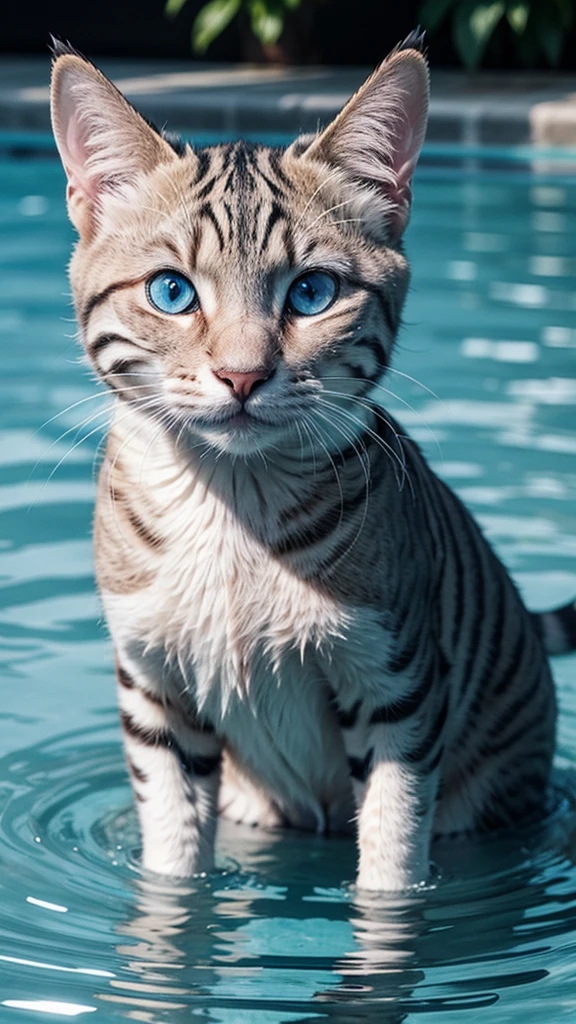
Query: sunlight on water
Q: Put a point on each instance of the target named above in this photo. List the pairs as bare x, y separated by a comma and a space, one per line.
278, 934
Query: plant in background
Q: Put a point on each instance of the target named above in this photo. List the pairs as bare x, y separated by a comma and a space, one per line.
538, 27
266, 18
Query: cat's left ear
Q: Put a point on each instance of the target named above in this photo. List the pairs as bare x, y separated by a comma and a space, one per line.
104, 143
377, 137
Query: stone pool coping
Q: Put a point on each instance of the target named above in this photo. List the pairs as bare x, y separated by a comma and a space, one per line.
490, 108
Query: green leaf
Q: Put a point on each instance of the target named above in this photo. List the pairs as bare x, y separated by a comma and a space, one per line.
211, 20
552, 41
433, 12
173, 7
517, 17
473, 26
546, 29
267, 21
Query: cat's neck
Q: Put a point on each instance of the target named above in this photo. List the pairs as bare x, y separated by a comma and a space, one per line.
266, 486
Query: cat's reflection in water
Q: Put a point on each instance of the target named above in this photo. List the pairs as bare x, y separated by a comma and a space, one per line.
243, 941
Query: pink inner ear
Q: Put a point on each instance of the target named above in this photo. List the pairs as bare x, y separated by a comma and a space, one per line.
411, 136
77, 154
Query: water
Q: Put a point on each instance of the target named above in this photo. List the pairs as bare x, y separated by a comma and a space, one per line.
277, 934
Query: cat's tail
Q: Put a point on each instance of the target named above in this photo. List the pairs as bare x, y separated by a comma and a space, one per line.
557, 628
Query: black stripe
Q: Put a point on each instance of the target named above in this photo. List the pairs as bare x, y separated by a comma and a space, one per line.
137, 524
348, 719
208, 212
124, 678
208, 187
102, 341
200, 765
276, 214
136, 771
308, 534
275, 160
149, 737
275, 190
407, 706
489, 749
172, 248
204, 161
402, 660
360, 767
491, 645
492, 818
231, 221
123, 366
451, 555
434, 733
128, 683
476, 573
140, 528
289, 246
256, 216
513, 664
99, 298
510, 713
435, 760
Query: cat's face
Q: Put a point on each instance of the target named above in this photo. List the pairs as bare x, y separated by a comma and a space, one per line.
244, 294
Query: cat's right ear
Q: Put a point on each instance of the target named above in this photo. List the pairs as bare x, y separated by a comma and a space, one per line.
103, 142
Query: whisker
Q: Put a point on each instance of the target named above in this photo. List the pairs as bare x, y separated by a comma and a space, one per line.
377, 411
383, 444
329, 210
331, 177
398, 398
365, 469
324, 447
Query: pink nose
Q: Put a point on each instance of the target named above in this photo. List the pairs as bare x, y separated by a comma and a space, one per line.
242, 384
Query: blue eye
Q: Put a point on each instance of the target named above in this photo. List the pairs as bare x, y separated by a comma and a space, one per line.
312, 293
171, 292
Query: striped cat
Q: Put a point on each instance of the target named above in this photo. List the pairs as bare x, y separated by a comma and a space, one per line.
309, 627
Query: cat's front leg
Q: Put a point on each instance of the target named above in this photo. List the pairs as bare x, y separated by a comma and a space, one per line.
394, 752
174, 764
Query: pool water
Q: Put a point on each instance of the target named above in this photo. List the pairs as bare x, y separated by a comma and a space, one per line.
278, 933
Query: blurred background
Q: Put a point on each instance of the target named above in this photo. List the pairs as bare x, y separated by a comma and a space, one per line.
498, 34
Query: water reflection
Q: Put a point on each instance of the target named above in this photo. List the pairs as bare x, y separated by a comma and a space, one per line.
243, 943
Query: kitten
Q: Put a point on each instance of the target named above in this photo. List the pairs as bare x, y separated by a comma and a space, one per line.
309, 627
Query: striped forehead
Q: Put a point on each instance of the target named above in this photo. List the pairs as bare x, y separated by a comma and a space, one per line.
243, 193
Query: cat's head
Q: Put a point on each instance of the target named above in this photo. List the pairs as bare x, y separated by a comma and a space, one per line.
241, 292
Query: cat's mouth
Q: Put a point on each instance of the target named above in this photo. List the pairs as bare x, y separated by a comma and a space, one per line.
241, 421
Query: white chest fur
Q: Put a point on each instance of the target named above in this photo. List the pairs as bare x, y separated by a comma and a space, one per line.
257, 645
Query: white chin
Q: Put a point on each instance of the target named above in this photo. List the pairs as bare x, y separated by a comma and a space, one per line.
243, 441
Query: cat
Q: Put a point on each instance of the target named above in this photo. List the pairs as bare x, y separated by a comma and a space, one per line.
309, 627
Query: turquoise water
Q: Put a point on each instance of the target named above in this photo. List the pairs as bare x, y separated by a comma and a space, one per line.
274, 936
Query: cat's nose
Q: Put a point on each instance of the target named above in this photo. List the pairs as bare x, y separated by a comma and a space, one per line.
242, 384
